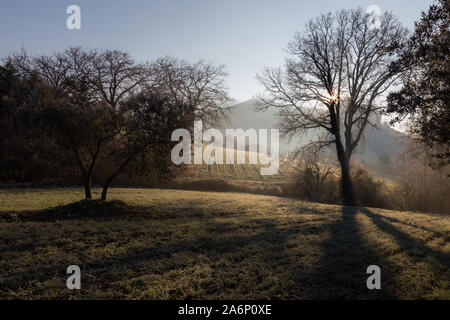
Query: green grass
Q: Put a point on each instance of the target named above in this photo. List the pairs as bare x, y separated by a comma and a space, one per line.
171, 244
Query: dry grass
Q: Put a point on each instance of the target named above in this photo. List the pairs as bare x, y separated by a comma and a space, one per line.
167, 244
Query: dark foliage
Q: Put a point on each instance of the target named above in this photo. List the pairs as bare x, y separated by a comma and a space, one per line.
81, 114
425, 93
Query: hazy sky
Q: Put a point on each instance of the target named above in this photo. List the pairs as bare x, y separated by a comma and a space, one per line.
244, 35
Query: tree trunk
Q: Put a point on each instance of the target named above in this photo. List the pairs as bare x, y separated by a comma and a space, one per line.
348, 194
87, 188
114, 175
87, 192
108, 183
106, 186
104, 192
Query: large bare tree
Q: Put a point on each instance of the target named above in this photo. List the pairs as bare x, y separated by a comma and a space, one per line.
334, 80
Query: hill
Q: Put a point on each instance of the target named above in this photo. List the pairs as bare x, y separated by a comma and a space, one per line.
376, 142
378, 150
171, 244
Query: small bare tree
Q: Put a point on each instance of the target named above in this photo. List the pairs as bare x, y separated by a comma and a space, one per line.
340, 68
148, 121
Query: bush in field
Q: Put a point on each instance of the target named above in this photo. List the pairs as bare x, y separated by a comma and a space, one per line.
370, 192
419, 186
317, 180
312, 185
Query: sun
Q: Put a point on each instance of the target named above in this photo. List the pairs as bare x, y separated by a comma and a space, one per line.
333, 98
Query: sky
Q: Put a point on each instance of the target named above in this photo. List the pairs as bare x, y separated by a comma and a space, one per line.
244, 35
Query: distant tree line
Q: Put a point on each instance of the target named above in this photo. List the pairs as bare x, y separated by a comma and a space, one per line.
83, 113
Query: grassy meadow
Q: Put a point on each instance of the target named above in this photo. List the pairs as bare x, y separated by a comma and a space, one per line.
172, 244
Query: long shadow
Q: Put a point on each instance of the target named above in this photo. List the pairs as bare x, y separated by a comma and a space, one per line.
138, 259
215, 244
339, 272
84, 209
409, 244
423, 228
99, 210
342, 270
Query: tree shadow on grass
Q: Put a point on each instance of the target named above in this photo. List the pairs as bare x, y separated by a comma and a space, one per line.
413, 247
342, 271
412, 225
339, 273
137, 261
99, 210
253, 252
84, 209
257, 249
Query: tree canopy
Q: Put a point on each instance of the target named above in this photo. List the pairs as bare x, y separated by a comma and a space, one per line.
424, 96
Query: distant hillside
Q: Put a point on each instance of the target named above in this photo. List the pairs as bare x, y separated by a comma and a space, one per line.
376, 142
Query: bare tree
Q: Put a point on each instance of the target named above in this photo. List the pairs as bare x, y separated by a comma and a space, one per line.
334, 80
115, 76
200, 84
147, 124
